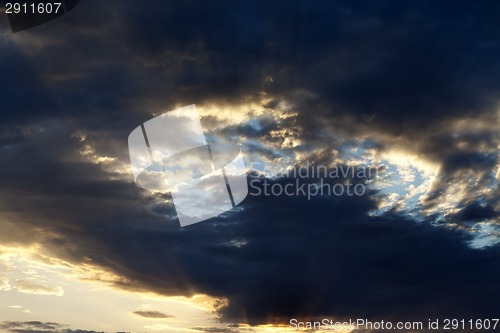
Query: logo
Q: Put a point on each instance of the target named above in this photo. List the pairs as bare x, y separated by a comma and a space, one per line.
170, 153
29, 14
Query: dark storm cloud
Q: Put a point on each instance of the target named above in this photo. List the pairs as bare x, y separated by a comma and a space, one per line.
325, 256
311, 258
47, 182
279, 257
23, 94
408, 63
476, 210
408, 70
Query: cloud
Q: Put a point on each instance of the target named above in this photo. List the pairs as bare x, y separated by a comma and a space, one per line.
293, 83
29, 287
152, 314
214, 329
297, 257
4, 283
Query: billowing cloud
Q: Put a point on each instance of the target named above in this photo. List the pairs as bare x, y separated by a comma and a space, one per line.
152, 314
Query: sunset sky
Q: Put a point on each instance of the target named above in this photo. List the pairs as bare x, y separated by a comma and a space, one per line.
407, 89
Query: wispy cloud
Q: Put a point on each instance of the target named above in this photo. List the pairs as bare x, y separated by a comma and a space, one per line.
153, 314
29, 287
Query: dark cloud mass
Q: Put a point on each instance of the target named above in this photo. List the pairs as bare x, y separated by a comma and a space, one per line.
421, 76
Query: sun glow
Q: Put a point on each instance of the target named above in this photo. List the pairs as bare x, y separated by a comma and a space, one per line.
33, 284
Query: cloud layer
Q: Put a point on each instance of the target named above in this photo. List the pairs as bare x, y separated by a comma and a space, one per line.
337, 83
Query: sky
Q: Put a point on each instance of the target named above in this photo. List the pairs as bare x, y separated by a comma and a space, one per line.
405, 90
